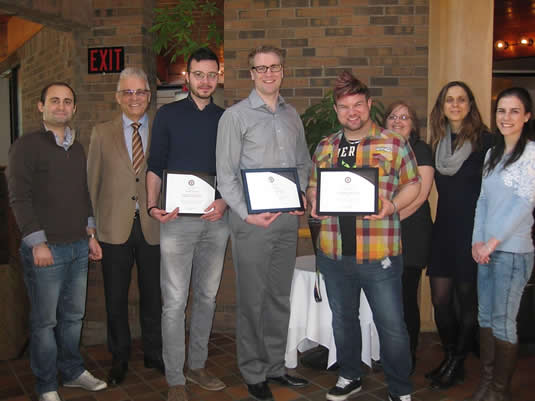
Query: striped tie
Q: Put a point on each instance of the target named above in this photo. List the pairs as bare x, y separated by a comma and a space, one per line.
137, 148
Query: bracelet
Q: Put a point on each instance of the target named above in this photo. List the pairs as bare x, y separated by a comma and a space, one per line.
150, 208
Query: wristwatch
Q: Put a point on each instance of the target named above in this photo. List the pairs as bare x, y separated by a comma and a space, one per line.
92, 235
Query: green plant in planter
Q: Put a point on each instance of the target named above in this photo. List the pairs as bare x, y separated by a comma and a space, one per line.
320, 119
177, 31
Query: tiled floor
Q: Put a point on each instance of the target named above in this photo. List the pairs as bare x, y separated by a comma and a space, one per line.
16, 380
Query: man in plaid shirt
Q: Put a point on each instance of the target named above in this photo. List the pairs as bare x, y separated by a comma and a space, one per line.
358, 252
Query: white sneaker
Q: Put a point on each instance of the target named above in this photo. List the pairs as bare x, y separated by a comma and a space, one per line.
406, 397
88, 382
50, 396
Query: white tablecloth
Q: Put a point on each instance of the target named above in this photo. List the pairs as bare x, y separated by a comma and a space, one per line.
311, 321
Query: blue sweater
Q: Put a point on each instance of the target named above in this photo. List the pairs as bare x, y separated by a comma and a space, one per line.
184, 137
505, 205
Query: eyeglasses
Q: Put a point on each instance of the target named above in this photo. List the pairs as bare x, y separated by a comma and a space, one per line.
132, 92
263, 68
199, 75
403, 117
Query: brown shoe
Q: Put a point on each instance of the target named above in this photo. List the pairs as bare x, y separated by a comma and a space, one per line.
177, 393
204, 379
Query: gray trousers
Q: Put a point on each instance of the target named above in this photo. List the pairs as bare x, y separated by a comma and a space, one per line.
264, 259
192, 251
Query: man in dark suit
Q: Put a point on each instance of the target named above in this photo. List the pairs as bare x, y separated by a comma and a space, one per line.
116, 176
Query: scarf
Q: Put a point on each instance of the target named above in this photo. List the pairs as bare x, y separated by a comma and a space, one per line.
446, 161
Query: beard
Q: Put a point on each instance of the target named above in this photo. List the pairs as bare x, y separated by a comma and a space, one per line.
195, 92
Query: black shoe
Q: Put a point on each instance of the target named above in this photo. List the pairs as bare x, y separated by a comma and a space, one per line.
344, 389
289, 381
260, 391
436, 373
453, 374
154, 364
117, 372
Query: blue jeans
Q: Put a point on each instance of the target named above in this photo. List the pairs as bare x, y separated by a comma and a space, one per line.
500, 285
57, 296
344, 280
191, 249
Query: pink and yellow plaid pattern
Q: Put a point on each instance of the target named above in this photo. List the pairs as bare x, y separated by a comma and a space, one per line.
392, 154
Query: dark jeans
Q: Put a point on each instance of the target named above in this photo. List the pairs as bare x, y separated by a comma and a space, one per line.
57, 296
344, 280
117, 263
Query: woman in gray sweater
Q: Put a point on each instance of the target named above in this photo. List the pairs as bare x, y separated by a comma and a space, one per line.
502, 244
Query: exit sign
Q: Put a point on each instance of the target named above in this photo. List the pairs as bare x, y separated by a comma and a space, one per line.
105, 60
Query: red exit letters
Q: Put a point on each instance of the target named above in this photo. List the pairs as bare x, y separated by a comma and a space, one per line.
105, 59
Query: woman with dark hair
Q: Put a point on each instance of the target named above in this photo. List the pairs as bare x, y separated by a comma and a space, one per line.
416, 223
459, 140
501, 243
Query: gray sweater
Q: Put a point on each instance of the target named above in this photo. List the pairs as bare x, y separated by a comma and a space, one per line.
505, 205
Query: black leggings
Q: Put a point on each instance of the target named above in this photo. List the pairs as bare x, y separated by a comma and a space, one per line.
411, 280
456, 328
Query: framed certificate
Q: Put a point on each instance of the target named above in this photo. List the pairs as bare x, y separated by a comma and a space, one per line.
192, 192
272, 190
347, 191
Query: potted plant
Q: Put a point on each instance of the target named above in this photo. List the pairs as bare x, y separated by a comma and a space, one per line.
178, 31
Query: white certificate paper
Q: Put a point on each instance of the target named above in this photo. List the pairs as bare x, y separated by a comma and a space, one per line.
190, 193
271, 191
345, 191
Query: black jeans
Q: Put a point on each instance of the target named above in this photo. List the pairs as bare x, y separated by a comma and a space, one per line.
117, 263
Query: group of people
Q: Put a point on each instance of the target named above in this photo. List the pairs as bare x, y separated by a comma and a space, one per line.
479, 251
111, 209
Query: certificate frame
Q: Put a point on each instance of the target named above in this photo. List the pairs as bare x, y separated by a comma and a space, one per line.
370, 174
289, 173
206, 177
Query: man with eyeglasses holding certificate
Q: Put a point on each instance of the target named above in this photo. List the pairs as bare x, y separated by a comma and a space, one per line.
262, 131
192, 246
116, 177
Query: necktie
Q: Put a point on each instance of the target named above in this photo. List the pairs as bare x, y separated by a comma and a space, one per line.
137, 148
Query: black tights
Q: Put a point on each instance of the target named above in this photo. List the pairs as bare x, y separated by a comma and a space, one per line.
411, 280
456, 329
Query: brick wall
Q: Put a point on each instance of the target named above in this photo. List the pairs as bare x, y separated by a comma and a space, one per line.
383, 42
47, 57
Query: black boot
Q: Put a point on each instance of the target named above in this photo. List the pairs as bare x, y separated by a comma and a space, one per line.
440, 369
453, 374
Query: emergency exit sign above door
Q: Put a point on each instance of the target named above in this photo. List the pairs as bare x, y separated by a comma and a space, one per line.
105, 60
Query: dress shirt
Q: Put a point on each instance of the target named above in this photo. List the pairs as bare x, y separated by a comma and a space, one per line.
250, 135
129, 130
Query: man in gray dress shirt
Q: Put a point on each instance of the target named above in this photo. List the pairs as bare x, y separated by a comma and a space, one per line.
262, 131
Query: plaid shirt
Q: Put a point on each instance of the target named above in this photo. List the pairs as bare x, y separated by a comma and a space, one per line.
392, 154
